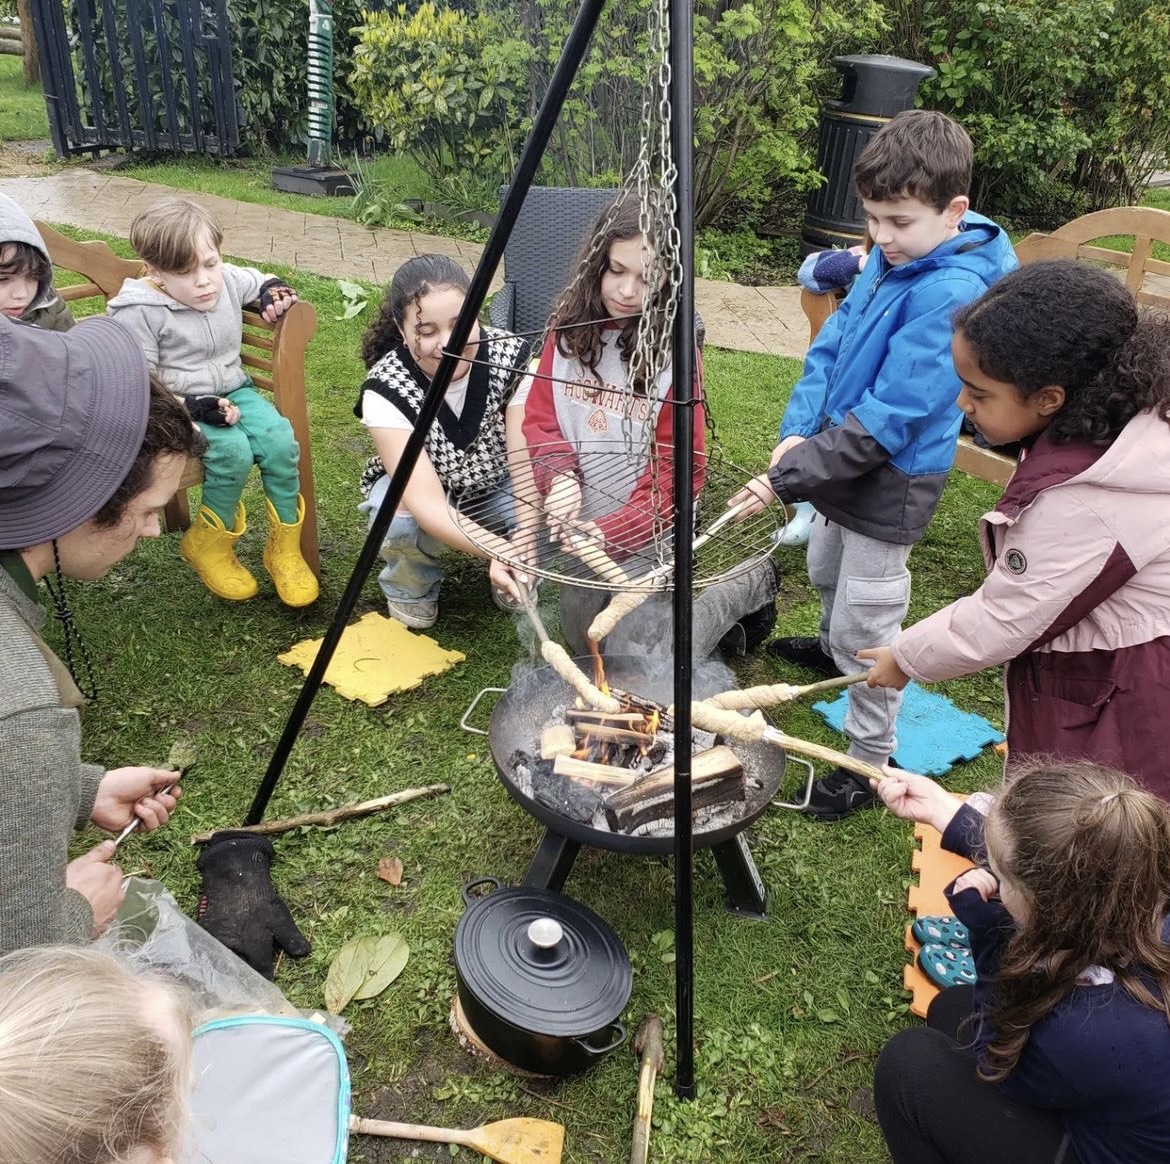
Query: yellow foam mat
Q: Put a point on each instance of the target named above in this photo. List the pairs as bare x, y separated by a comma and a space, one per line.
936, 869
376, 657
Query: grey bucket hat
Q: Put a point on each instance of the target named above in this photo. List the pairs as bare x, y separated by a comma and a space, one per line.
73, 409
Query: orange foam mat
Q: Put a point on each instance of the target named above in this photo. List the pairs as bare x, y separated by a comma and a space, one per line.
936, 869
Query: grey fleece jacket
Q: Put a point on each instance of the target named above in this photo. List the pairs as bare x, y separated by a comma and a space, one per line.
45, 790
48, 309
195, 352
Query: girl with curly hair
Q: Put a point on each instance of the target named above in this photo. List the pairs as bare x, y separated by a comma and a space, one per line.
1076, 602
1060, 1053
466, 456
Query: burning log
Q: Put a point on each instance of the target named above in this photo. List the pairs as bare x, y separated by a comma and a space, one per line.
580, 715
558, 740
604, 733
566, 798
716, 778
573, 769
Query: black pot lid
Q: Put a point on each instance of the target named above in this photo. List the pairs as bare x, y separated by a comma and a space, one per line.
542, 962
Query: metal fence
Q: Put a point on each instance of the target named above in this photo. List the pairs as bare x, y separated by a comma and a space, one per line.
137, 74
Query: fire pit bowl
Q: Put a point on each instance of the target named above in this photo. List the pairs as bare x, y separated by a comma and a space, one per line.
525, 707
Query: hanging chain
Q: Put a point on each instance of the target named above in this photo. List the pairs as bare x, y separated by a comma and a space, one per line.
70, 631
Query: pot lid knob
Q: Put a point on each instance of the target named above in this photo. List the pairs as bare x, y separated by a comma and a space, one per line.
545, 932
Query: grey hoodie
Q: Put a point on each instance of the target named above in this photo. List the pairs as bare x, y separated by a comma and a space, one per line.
47, 310
195, 352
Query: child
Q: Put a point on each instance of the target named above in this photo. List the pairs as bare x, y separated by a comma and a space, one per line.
94, 1063
26, 274
581, 411
466, 452
869, 434
1067, 1052
1077, 598
187, 313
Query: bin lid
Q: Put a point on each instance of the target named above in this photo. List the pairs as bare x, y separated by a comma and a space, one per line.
878, 84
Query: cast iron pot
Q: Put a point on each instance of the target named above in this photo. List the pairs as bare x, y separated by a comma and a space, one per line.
542, 979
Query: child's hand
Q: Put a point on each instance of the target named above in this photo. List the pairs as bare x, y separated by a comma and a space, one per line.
507, 579
918, 798
755, 497
231, 412
983, 881
789, 442
885, 672
276, 297
562, 505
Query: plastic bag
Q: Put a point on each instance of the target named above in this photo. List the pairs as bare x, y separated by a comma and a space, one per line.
152, 933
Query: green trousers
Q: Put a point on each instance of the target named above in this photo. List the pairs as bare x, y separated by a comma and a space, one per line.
262, 437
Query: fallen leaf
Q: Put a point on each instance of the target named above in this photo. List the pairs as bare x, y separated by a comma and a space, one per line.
390, 869
181, 755
347, 972
389, 956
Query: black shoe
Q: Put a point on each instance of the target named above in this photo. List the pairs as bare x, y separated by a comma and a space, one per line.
750, 631
805, 652
840, 794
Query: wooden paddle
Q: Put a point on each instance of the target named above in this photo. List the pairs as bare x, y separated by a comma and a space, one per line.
518, 1141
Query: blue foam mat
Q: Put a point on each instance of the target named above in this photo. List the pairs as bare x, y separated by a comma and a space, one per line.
933, 734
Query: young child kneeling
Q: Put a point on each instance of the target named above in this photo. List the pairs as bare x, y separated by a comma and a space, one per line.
187, 313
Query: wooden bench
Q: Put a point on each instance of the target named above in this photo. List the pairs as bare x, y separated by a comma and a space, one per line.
273, 354
1147, 277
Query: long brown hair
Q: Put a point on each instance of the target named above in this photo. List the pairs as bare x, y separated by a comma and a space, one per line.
1091, 852
581, 301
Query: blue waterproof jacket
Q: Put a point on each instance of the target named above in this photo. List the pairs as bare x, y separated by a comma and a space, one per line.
876, 401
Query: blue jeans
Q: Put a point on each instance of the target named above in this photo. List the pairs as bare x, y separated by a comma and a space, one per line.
413, 572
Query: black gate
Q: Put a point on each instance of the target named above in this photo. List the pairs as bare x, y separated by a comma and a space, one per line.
137, 74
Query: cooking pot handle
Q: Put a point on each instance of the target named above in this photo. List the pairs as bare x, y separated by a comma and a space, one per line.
619, 1037
472, 706
469, 897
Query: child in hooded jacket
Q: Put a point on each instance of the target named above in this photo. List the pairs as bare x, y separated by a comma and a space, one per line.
1077, 597
26, 273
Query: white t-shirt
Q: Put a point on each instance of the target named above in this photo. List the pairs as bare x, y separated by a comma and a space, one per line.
378, 412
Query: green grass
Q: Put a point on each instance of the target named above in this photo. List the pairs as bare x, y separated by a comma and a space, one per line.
789, 1013
22, 107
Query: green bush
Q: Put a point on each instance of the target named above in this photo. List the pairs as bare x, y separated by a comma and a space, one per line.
443, 88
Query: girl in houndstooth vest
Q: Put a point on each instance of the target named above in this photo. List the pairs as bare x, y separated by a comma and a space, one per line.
466, 453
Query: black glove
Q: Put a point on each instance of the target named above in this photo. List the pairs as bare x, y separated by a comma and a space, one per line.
205, 409
238, 904
274, 291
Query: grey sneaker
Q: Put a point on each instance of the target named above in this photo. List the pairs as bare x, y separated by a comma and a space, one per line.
416, 615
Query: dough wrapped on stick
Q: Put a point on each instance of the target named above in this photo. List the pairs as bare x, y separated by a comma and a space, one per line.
770, 694
558, 659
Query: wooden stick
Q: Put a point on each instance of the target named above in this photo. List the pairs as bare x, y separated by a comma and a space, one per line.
648, 1046
582, 715
597, 560
330, 816
558, 740
750, 729
573, 769
770, 694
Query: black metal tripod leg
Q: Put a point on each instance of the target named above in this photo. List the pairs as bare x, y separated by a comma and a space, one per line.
552, 861
746, 895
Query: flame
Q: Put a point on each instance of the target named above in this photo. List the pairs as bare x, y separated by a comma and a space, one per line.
598, 669
652, 722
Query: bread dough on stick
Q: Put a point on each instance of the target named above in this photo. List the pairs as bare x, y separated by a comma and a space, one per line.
558, 659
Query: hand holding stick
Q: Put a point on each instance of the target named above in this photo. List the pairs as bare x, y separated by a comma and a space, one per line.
771, 694
750, 729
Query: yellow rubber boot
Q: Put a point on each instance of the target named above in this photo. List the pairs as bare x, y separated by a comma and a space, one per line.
209, 549
295, 582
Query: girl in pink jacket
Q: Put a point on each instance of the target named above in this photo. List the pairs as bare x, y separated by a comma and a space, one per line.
1076, 602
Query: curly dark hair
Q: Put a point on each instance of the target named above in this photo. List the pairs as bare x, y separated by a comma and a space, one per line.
581, 301
1066, 323
414, 279
169, 429
1082, 842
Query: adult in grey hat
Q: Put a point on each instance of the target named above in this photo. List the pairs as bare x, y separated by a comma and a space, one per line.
90, 450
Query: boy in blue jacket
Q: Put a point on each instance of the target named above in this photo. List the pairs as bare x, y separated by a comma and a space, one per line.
869, 434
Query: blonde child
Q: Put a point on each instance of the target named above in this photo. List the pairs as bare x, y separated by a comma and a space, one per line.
1076, 601
187, 313
94, 1063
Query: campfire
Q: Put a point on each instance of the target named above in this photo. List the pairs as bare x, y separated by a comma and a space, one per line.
615, 770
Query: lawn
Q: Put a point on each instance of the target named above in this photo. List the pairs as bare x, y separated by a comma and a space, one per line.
790, 1013
22, 108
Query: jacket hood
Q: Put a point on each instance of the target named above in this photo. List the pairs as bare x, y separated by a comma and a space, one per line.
143, 292
980, 247
1138, 462
16, 226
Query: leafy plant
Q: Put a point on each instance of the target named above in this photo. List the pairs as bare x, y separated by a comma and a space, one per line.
356, 298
